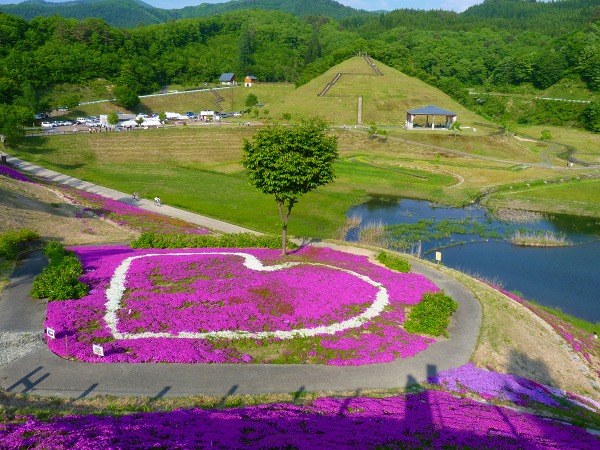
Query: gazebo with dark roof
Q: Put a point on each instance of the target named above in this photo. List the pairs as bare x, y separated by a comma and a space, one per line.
432, 111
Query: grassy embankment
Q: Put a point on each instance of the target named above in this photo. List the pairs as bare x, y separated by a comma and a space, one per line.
233, 99
197, 169
27, 205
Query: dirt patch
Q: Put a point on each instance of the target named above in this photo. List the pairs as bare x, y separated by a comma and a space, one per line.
28, 205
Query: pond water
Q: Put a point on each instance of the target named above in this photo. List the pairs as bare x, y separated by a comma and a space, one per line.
473, 241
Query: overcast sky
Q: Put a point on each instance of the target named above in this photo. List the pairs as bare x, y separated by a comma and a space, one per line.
369, 5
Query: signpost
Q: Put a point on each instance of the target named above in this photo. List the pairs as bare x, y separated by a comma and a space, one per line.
98, 350
438, 256
51, 333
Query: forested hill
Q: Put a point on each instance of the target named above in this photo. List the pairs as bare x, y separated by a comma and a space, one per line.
562, 16
131, 13
454, 52
118, 13
300, 8
517, 16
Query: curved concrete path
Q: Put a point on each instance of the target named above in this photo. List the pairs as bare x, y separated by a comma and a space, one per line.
43, 373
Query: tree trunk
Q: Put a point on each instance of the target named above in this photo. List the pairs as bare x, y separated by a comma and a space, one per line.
283, 238
284, 214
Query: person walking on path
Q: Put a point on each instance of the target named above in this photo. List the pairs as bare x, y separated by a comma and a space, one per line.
136, 196
157, 201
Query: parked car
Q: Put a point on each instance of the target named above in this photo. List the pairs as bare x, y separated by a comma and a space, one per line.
47, 125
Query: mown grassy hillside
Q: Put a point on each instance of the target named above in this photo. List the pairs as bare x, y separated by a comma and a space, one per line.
385, 98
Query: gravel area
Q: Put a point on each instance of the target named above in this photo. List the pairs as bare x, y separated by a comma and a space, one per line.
15, 345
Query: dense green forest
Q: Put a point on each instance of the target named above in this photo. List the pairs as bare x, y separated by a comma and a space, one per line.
491, 47
132, 13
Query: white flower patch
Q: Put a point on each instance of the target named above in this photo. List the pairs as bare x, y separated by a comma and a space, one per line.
115, 292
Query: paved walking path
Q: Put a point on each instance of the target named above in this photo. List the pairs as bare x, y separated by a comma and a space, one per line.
148, 205
43, 373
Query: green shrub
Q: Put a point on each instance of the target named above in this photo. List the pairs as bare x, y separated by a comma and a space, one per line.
393, 262
10, 240
231, 240
432, 315
60, 279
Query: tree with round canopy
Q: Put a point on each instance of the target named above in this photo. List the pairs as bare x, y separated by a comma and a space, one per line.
288, 161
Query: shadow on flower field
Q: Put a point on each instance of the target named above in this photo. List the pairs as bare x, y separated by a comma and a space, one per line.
428, 419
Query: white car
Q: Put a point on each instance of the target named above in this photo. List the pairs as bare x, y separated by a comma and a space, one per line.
47, 125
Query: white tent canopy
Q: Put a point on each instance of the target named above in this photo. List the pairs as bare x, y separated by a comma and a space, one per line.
128, 123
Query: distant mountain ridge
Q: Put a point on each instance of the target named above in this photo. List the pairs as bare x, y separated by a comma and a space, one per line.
131, 13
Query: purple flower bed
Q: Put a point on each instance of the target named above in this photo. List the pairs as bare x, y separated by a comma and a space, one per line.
221, 305
506, 387
430, 419
12, 173
129, 215
581, 342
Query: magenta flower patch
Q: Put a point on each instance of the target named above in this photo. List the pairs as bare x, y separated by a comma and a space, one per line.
187, 305
129, 215
506, 387
430, 419
12, 173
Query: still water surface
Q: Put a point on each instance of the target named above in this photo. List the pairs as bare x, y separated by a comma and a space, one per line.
564, 277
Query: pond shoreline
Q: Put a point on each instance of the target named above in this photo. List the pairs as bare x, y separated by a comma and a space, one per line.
473, 240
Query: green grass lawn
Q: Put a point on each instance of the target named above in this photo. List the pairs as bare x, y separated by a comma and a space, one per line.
578, 197
202, 188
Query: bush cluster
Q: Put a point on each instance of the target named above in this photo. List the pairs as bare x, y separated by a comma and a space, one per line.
231, 240
60, 279
10, 241
393, 262
432, 315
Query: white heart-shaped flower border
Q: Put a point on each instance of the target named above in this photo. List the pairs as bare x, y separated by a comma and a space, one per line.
115, 292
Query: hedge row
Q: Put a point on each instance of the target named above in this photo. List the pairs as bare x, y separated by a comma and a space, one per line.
432, 315
394, 262
60, 279
10, 241
232, 240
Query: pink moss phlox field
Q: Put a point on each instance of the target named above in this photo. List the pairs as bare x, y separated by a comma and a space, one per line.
580, 341
12, 173
196, 293
500, 386
129, 215
430, 419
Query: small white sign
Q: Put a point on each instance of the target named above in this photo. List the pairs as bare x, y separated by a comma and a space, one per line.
51, 333
98, 350
438, 256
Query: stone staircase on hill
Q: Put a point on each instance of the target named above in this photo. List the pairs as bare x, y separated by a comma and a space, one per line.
339, 75
218, 100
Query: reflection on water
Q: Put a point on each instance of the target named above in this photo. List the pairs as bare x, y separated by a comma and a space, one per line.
564, 277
